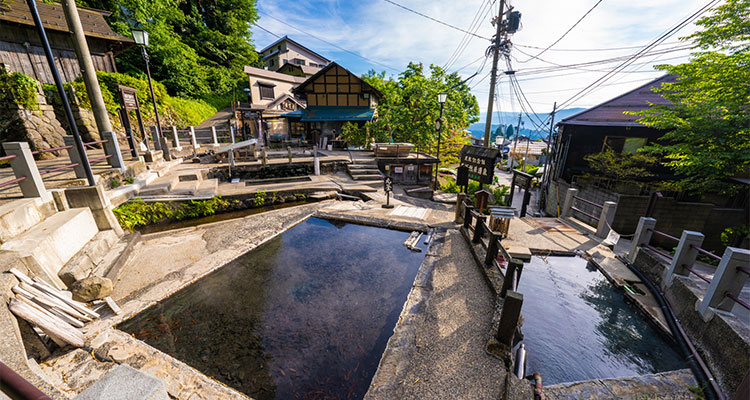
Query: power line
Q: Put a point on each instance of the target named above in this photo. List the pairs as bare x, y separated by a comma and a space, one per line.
278, 36
329, 43
466, 39
436, 20
564, 34
603, 49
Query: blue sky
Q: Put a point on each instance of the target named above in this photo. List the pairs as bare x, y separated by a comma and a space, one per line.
388, 37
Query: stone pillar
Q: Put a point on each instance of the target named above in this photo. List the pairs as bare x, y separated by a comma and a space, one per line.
606, 218
213, 136
94, 198
175, 139
642, 235
728, 280
156, 138
289, 153
264, 160
23, 165
193, 140
568, 203
685, 255
112, 147
460, 199
316, 161
74, 158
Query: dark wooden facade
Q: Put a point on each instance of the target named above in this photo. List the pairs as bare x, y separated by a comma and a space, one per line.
336, 86
21, 51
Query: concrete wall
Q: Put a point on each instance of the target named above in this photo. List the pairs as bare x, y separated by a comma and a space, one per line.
723, 342
283, 86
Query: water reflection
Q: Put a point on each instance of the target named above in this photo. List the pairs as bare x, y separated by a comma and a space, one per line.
578, 326
306, 315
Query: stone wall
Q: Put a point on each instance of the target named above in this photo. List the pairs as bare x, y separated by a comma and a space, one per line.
723, 342
40, 128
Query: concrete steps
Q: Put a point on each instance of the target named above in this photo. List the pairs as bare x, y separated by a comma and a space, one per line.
47, 246
367, 177
364, 171
98, 254
19, 216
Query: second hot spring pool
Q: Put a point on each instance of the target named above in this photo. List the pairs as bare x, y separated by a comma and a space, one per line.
578, 326
306, 315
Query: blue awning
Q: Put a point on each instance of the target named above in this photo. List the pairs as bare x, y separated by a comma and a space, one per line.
320, 113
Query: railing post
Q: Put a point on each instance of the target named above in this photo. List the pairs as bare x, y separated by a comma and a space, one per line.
568, 203
509, 282
606, 218
175, 139
509, 317
492, 249
727, 280
112, 147
193, 139
213, 136
289, 153
155, 137
79, 169
642, 235
460, 206
478, 230
24, 165
685, 255
467, 217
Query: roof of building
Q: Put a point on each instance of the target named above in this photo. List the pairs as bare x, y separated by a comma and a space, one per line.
287, 38
263, 73
330, 65
612, 112
323, 113
53, 18
298, 70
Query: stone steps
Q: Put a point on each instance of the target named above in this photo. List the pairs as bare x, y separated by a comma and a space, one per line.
21, 215
46, 247
367, 177
364, 171
95, 258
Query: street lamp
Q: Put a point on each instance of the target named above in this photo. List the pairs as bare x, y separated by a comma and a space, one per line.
140, 37
442, 97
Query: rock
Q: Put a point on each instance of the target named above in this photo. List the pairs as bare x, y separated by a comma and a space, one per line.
91, 288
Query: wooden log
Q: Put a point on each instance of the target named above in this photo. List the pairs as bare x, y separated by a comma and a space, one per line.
52, 326
410, 238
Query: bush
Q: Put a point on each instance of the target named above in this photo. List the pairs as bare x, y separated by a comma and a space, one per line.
18, 88
137, 212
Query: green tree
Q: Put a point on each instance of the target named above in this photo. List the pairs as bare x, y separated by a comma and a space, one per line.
509, 131
708, 123
409, 107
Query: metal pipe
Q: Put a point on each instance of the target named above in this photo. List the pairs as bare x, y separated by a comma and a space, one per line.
520, 363
61, 90
20, 386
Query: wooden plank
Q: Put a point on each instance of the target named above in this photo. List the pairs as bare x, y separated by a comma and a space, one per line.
53, 325
53, 302
341, 99
76, 305
112, 305
21, 276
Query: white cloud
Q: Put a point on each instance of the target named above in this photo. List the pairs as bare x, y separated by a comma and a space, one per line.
393, 36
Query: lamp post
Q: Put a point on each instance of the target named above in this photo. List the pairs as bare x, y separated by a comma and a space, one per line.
442, 97
141, 38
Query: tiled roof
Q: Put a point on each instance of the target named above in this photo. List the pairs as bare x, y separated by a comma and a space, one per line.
612, 112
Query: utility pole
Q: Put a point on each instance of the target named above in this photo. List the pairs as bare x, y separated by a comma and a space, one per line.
547, 160
87, 66
493, 74
515, 143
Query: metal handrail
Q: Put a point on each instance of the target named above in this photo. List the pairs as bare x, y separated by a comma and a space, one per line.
12, 181
52, 149
588, 202
738, 300
96, 142
49, 171
93, 160
657, 251
584, 213
699, 275
3, 158
664, 234
744, 270
706, 252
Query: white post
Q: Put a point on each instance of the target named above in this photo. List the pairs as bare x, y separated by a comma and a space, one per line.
568, 203
175, 139
74, 158
316, 161
606, 218
193, 139
642, 235
685, 255
213, 136
112, 147
23, 165
728, 280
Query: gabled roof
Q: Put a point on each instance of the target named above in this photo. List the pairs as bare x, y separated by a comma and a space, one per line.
298, 70
333, 64
286, 38
612, 112
53, 18
284, 97
266, 74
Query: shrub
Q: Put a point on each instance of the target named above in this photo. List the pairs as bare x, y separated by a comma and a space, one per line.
138, 212
19, 89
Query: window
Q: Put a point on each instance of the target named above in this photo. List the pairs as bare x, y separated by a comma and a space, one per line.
624, 145
266, 91
298, 61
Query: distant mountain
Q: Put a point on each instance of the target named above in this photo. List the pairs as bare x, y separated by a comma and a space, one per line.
529, 129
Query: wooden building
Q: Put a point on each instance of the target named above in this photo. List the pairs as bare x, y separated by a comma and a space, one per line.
21, 51
334, 96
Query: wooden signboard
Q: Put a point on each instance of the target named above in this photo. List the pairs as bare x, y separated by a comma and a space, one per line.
480, 162
129, 101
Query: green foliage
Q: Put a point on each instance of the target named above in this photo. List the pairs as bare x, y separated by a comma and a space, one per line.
499, 192
260, 198
137, 212
354, 134
621, 166
409, 108
196, 47
733, 235
509, 131
190, 111
708, 124
129, 180
529, 169
114, 183
19, 89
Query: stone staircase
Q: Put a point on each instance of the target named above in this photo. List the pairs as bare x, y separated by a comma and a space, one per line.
365, 171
